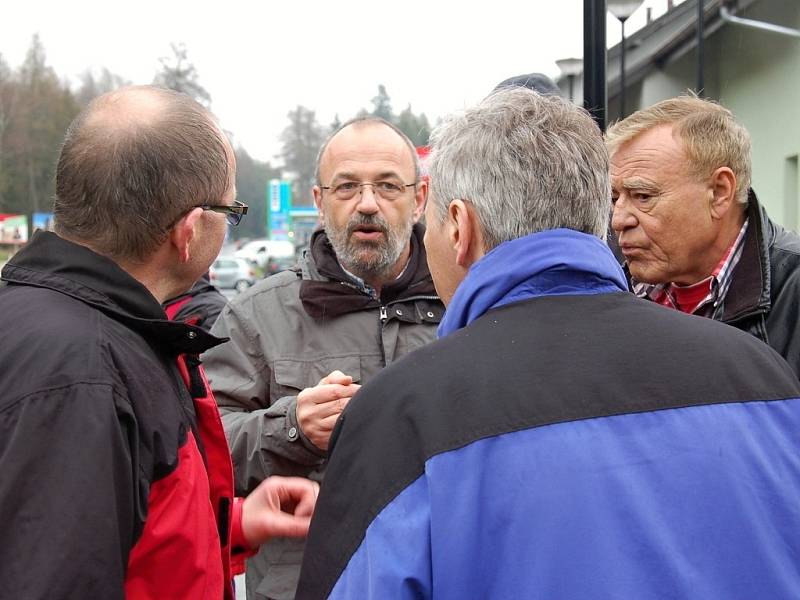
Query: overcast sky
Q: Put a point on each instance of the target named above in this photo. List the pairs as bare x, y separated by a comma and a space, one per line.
259, 59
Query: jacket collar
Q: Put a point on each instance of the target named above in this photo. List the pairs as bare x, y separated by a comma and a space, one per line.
557, 262
49, 261
749, 291
338, 294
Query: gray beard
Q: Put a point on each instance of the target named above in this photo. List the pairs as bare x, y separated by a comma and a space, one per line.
369, 260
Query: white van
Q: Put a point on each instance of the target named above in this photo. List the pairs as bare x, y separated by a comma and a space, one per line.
260, 251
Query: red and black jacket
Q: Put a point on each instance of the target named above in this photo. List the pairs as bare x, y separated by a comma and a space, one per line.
116, 477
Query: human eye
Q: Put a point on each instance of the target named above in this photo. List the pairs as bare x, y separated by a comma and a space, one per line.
345, 187
389, 186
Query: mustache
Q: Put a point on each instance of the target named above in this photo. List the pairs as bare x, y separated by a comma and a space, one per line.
371, 222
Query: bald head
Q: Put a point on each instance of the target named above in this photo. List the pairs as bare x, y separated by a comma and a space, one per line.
132, 163
127, 109
353, 126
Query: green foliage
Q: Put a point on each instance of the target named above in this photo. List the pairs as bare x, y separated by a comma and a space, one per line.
252, 177
416, 127
382, 105
300, 143
35, 109
37, 106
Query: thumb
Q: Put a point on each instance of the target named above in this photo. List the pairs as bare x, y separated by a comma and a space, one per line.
336, 377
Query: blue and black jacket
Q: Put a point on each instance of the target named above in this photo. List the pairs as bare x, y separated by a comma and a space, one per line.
569, 444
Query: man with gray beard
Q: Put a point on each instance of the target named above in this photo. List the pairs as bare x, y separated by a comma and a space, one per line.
303, 341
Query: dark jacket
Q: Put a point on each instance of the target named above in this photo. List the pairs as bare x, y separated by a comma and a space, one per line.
116, 478
571, 442
199, 306
286, 333
764, 295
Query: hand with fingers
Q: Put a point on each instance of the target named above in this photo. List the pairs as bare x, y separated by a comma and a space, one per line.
319, 407
279, 506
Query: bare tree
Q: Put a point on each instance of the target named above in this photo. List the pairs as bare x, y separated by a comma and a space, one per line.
179, 73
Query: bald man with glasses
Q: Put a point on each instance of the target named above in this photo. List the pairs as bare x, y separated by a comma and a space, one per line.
117, 479
302, 341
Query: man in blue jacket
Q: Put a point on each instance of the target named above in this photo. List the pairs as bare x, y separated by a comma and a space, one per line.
561, 439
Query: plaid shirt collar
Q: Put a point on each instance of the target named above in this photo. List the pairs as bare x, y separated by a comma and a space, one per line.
716, 284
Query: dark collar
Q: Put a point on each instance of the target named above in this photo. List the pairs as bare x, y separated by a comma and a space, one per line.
749, 291
51, 262
340, 294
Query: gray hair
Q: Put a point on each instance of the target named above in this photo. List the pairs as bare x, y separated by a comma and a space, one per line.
370, 120
526, 163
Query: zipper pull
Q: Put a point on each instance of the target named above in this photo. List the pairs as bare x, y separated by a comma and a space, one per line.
384, 316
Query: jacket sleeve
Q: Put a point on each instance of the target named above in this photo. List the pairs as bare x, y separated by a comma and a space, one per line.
264, 440
69, 494
783, 320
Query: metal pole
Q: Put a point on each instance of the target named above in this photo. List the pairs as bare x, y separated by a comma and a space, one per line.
700, 50
594, 60
571, 79
622, 72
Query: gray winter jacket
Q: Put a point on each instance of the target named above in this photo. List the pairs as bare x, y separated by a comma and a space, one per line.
286, 333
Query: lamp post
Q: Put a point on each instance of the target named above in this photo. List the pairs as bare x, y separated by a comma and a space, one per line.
700, 36
595, 86
622, 9
570, 67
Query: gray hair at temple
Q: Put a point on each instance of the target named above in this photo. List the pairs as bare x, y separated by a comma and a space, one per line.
526, 162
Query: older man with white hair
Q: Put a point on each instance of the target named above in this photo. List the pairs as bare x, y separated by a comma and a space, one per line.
561, 439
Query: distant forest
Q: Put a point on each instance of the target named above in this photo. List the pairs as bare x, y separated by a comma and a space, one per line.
36, 106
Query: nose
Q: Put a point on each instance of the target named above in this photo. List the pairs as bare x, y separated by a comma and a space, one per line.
622, 217
367, 201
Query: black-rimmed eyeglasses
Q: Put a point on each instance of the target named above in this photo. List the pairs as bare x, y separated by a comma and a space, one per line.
233, 212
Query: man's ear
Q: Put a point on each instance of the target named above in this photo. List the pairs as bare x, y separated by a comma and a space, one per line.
182, 234
420, 198
464, 232
723, 191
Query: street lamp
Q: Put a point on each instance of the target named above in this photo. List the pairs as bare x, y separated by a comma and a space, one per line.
622, 9
570, 67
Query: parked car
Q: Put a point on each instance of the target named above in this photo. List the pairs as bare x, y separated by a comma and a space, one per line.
278, 264
259, 252
232, 273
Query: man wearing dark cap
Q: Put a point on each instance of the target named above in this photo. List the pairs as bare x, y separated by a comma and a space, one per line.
538, 82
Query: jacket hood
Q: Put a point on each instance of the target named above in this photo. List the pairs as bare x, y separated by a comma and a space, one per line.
557, 262
339, 294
